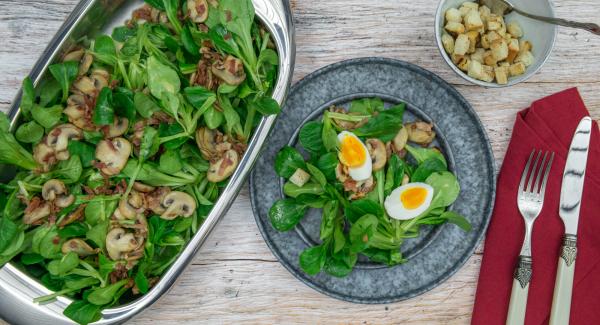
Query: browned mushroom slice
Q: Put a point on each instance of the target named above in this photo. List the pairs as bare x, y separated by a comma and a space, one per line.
79, 247
205, 139
399, 141
44, 155
100, 77
119, 127
420, 132
153, 200
178, 204
224, 167
36, 211
231, 71
60, 136
378, 153
73, 216
197, 10
113, 155
85, 63
74, 55
84, 85
55, 191
119, 242
141, 187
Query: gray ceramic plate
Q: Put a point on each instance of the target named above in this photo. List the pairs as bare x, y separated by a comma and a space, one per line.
439, 252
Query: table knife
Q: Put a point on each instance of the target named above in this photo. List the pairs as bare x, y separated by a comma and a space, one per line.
570, 204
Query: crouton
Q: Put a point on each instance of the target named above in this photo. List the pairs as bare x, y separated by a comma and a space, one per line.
473, 21
455, 27
461, 45
501, 74
453, 14
517, 69
448, 43
515, 29
300, 177
499, 49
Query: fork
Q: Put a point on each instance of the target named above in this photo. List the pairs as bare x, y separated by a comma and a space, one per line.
530, 200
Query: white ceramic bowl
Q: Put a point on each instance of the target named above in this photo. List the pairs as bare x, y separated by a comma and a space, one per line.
541, 35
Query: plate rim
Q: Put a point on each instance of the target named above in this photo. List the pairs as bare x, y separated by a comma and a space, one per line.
490, 165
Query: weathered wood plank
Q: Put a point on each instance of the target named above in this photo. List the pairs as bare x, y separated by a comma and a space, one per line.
235, 278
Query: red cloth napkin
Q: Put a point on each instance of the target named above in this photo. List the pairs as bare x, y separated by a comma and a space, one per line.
549, 124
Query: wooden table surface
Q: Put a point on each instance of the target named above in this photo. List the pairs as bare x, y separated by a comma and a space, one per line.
235, 278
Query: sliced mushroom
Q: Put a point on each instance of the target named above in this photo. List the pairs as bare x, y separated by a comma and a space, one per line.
79, 247
131, 207
84, 85
85, 63
360, 189
399, 141
231, 71
154, 200
341, 172
53, 189
60, 136
119, 242
378, 153
43, 154
224, 167
75, 55
197, 10
178, 204
100, 78
405, 179
420, 132
36, 211
141, 187
205, 139
113, 155
64, 201
119, 127
73, 216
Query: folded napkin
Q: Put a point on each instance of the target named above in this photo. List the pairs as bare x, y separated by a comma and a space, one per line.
549, 124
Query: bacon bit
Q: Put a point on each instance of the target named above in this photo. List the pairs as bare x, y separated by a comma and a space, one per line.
118, 274
56, 240
227, 37
228, 15
201, 9
52, 219
143, 13
34, 203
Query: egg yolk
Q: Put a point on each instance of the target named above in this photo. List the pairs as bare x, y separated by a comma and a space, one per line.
413, 198
352, 152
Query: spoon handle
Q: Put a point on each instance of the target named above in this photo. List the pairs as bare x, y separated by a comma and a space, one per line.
590, 27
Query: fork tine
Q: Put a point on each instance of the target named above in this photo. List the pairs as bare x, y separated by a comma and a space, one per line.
533, 170
538, 178
525, 172
546, 173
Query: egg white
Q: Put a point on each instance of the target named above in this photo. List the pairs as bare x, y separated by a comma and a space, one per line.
364, 171
395, 208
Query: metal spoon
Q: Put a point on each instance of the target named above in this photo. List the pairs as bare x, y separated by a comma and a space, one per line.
503, 7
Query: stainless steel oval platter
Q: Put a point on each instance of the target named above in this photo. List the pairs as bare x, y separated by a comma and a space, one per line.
90, 18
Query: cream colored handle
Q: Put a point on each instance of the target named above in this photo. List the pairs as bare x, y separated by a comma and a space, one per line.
563, 288
519, 293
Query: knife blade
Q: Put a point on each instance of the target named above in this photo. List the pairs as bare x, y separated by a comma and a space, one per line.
574, 175
570, 204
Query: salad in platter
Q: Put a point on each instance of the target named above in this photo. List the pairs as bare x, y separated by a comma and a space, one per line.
121, 153
376, 178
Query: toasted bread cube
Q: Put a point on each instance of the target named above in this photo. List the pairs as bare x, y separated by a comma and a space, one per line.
493, 36
467, 6
463, 63
501, 74
504, 64
456, 58
526, 57
473, 37
448, 43
515, 29
475, 70
478, 55
494, 22
517, 69
455, 28
299, 177
488, 73
485, 42
453, 14
489, 59
484, 13
461, 45
473, 20
499, 49
525, 46
513, 50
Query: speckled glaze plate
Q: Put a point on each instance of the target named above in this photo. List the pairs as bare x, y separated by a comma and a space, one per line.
440, 251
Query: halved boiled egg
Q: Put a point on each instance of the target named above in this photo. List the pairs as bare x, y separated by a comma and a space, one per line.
408, 201
354, 155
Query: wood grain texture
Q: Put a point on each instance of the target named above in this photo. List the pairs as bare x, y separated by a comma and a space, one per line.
235, 278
